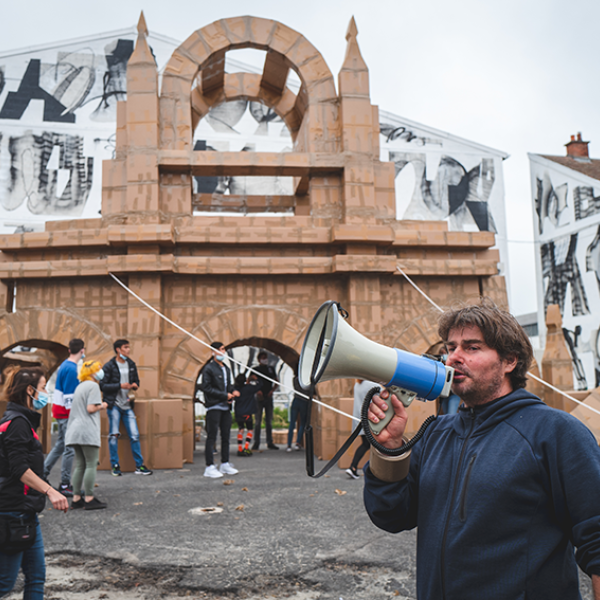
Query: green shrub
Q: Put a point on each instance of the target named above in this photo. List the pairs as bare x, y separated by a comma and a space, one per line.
280, 418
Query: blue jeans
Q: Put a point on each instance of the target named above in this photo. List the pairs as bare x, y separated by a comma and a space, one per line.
32, 562
299, 407
59, 450
115, 414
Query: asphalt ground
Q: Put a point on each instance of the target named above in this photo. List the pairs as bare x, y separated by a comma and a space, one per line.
268, 532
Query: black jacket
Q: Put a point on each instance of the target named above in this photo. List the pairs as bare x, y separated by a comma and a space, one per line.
214, 388
245, 404
111, 382
20, 449
268, 371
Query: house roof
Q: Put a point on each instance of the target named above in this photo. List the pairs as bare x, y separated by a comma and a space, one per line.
589, 167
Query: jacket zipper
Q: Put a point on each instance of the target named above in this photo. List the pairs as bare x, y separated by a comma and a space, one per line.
463, 495
454, 490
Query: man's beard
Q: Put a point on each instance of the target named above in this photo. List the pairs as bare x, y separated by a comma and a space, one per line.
479, 392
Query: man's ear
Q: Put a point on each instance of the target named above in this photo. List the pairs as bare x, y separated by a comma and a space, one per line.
510, 363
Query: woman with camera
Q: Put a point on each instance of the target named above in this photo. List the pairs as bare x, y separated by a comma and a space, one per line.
23, 491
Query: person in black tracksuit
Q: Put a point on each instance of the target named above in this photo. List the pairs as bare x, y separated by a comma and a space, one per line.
23, 490
245, 408
265, 402
217, 387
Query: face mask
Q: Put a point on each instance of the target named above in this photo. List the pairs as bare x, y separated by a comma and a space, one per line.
220, 357
263, 361
122, 357
82, 355
40, 401
99, 375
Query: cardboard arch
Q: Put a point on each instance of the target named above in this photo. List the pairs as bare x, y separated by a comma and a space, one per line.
247, 86
48, 327
288, 355
204, 51
279, 328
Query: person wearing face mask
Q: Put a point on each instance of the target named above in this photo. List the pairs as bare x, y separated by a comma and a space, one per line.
121, 376
83, 434
23, 490
217, 386
66, 382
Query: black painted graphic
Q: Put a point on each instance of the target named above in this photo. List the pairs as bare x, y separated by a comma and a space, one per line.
559, 269
49, 172
29, 89
584, 202
455, 193
550, 202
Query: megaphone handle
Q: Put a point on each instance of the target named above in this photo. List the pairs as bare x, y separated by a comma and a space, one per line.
405, 396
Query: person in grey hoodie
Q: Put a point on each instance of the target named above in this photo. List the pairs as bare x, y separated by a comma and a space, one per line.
505, 494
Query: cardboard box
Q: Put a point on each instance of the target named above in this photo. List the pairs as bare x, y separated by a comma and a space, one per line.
160, 423
188, 424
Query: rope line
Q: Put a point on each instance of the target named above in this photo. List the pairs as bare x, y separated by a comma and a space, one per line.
554, 389
237, 362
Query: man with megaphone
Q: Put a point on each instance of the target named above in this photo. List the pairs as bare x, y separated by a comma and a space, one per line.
506, 493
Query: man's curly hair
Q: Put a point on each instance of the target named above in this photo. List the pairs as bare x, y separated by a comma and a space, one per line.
500, 331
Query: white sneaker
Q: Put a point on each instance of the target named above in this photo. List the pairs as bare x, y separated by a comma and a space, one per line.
212, 471
352, 473
288, 449
298, 447
227, 469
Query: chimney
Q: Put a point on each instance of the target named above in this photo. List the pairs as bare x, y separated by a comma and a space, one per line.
577, 148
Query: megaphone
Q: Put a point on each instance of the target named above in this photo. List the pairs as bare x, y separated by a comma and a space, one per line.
332, 349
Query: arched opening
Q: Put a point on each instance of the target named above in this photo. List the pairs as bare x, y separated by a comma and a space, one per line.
242, 125
200, 63
34, 353
39, 353
282, 358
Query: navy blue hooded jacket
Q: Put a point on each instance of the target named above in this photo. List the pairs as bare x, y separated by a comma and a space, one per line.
501, 495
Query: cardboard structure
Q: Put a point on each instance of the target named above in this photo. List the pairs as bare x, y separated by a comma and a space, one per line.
240, 279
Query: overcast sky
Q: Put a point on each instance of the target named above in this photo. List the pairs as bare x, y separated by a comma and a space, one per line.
518, 75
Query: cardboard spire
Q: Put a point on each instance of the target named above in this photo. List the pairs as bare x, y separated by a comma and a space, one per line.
142, 53
354, 75
141, 26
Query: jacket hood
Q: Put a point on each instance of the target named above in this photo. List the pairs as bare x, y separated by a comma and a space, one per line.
32, 416
489, 415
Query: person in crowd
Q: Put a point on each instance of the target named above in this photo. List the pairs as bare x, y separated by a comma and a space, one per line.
245, 408
23, 489
298, 412
361, 388
505, 493
121, 377
66, 382
83, 434
219, 393
265, 402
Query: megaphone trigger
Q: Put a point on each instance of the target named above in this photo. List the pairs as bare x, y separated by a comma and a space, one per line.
405, 396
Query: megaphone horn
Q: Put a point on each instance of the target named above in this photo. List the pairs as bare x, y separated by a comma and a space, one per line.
332, 349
